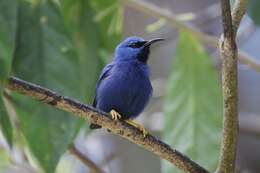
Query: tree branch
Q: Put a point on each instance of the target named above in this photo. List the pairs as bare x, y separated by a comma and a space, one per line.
120, 128
212, 41
228, 51
84, 159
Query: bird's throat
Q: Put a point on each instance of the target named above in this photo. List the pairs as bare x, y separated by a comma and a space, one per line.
144, 55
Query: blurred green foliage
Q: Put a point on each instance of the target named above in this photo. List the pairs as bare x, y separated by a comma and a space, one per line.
5, 122
61, 45
253, 10
193, 105
4, 160
8, 22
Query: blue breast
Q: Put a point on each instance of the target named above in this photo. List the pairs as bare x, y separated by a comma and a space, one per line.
126, 89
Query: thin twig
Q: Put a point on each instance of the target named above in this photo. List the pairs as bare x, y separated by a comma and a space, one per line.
84, 159
212, 41
238, 12
95, 116
228, 51
158, 12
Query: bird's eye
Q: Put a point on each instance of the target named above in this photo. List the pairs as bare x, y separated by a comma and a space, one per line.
136, 44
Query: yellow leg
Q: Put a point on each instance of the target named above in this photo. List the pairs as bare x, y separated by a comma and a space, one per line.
115, 115
139, 126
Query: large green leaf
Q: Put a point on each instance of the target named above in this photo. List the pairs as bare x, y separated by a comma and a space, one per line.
8, 10
94, 43
193, 105
79, 16
45, 55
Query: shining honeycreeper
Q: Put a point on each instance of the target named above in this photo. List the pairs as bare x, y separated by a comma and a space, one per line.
124, 87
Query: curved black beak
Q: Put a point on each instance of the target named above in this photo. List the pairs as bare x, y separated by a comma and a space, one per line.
149, 42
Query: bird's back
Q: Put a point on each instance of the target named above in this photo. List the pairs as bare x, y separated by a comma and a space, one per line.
126, 89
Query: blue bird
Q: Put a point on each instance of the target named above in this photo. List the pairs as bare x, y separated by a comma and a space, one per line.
124, 87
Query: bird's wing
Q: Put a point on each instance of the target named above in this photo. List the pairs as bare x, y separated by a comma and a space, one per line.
104, 73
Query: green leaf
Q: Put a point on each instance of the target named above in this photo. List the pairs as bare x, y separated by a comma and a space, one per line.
5, 122
90, 22
45, 55
8, 13
193, 105
253, 10
79, 17
110, 22
8, 10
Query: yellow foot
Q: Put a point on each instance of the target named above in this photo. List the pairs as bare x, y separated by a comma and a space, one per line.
139, 126
115, 115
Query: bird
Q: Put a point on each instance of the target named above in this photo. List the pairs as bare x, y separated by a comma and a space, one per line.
124, 87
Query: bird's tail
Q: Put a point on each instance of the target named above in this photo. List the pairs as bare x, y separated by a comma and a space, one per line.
94, 126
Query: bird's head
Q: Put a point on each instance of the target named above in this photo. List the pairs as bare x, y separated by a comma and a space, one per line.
134, 48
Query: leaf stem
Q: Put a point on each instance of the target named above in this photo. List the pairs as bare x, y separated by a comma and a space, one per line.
84, 159
238, 12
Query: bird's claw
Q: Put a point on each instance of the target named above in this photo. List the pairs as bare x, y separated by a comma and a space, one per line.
115, 115
144, 131
139, 126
